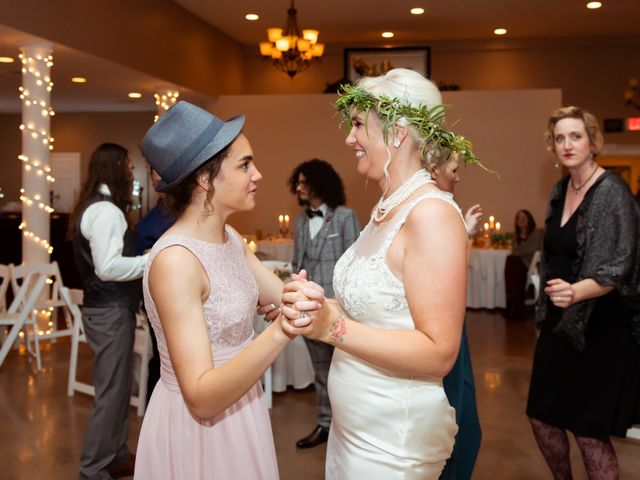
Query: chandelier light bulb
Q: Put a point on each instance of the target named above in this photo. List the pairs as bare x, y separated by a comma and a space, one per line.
289, 50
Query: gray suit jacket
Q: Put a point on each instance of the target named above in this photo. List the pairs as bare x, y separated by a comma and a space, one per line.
339, 230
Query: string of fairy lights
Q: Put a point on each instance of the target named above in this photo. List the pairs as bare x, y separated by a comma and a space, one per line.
164, 101
38, 67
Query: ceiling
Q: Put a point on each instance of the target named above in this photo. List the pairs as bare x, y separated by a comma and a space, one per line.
362, 21
341, 22
107, 83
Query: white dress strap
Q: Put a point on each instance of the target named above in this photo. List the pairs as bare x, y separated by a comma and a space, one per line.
401, 217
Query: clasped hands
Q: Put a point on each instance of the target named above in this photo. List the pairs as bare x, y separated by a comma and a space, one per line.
304, 309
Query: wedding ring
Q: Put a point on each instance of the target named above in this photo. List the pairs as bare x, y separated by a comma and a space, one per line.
304, 315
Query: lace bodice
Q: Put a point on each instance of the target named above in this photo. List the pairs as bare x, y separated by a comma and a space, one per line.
230, 308
365, 286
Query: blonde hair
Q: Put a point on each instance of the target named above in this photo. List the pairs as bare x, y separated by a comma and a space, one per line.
409, 87
590, 125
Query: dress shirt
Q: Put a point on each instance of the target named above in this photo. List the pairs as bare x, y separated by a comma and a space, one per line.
104, 225
315, 223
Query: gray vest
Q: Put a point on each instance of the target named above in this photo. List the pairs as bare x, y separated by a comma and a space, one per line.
311, 262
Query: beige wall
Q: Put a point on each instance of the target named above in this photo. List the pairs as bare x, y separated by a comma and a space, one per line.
75, 132
285, 130
591, 73
157, 37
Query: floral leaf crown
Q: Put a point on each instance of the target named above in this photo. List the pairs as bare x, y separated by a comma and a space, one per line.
428, 121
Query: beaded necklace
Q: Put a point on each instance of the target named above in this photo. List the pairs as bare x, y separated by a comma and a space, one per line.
577, 189
404, 191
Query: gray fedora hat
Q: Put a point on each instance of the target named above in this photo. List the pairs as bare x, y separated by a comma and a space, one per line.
184, 139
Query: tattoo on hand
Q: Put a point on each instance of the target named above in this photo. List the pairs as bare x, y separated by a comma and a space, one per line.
338, 329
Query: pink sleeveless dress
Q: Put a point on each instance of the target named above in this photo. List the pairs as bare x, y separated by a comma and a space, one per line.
238, 443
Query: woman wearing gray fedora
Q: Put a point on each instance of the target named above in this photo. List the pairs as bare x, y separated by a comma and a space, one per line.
206, 417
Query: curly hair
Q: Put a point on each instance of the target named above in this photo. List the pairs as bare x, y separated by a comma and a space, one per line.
590, 125
178, 198
109, 165
323, 181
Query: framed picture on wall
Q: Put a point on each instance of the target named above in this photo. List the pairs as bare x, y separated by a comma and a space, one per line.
370, 62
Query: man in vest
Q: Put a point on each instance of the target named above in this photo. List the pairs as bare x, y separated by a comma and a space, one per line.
104, 253
323, 232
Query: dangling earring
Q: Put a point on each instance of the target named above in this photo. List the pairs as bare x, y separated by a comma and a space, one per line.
396, 142
557, 164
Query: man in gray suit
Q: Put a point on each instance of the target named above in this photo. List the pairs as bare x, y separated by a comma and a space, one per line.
323, 232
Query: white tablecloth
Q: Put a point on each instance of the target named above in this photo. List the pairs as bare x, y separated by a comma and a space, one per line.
485, 285
292, 367
279, 249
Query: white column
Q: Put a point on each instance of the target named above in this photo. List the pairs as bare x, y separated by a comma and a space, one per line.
35, 94
164, 101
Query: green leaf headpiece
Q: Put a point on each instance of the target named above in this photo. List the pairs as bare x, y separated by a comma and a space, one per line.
428, 121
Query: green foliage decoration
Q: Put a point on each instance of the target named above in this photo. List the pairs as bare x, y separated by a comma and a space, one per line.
428, 121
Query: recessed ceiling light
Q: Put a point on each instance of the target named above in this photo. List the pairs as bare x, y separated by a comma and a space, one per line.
252, 17
594, 5
78, 80
417, 11
500, 31
134, 95
387, 34
6, 60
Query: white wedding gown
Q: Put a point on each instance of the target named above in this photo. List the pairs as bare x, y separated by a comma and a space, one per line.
385, 426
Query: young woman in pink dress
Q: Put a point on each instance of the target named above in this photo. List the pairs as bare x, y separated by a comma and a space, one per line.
206, 418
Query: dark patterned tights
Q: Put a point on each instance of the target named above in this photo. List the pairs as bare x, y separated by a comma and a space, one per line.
599, 457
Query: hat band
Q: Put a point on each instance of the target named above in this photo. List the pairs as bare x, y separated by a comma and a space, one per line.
207, 135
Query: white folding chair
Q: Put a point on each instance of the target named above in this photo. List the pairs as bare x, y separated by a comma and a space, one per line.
5, 276
634, 432
20, 315
533, 278
74, 300
50, 301
142, 347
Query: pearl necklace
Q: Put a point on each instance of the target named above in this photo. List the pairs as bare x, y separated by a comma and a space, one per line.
404, 191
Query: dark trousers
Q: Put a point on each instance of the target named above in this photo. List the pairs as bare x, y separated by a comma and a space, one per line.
515, 280
321, 354
461, 392
110, 334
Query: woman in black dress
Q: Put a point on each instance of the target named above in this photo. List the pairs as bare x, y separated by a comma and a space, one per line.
586, 367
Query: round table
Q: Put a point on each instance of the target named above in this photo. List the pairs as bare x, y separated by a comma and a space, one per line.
485, 283
277, 249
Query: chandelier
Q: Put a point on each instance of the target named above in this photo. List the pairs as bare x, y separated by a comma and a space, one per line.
290, 51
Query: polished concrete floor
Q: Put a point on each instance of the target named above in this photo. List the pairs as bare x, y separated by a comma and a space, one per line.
41, 428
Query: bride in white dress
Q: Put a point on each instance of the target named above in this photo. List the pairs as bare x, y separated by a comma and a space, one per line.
397, 320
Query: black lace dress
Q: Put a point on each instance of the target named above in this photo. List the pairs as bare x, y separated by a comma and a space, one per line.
592, 393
